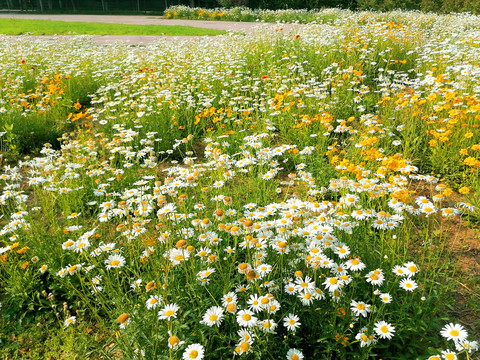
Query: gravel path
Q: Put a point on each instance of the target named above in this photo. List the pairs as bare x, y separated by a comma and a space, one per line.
246, 27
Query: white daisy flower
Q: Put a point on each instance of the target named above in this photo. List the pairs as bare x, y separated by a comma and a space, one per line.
168, 312
408, 284
384, 329
294, 354
291, 322
360, 308
153, 301
115, 261
69, 321
194, 351
246, 318
213, 316
454, 332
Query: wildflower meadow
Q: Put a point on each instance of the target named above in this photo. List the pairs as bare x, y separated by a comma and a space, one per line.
296, 193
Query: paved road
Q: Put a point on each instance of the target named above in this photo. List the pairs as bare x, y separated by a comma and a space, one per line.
246, 27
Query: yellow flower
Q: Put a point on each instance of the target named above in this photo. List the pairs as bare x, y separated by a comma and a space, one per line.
464, 190
471, 161
447, 192
23, 250
468, 135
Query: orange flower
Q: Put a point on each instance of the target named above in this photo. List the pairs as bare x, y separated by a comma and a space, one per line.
123, 318
23, 250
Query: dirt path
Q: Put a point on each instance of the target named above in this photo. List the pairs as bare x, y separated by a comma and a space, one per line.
245, 27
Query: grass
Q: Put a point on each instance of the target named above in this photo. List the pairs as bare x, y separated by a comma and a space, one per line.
50, 27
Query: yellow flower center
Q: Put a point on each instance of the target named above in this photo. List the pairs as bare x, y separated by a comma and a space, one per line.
246, 317
361, 307
454, 333
213, 317
294, 357
291, 322
172, 340
245, 346
384, 329
333, 281
193, 354
169, 313
114, 263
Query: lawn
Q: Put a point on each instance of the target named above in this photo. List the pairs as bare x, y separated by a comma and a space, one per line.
50, 27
